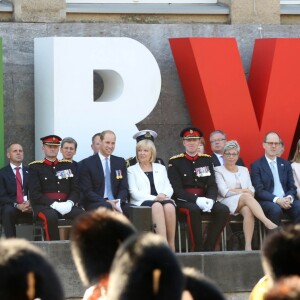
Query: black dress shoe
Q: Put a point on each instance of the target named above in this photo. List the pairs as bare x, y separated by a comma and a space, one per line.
271, 231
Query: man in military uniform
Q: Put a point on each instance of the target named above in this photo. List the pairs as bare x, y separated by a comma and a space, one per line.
53, 188
192, 177
146, 134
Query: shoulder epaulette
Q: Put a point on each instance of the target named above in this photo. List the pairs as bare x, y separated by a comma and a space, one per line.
128, 161
36, 162
177, 156
65, 160
202, 154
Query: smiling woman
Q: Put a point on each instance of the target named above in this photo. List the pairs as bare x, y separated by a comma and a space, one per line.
237, 193
149, 186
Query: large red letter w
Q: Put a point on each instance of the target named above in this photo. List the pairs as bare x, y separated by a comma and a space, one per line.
218, 96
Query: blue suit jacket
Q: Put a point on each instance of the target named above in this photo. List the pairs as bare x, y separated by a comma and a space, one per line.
8, 186
263, 182
92, 180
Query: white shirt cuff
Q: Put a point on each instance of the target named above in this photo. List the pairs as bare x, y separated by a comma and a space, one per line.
291, 197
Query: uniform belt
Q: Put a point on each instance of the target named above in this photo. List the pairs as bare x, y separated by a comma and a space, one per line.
195, 191
57, 196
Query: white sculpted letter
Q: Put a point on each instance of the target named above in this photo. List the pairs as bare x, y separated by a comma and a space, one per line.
64, 92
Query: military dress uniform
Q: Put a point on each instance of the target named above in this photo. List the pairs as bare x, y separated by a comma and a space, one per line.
51, 182
193, 177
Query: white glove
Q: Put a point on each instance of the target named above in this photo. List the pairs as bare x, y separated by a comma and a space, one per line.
63, 207
209, 203
54, 205
66, 207
205, 204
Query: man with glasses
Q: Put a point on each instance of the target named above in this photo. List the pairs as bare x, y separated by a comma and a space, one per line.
272, 178
217, 142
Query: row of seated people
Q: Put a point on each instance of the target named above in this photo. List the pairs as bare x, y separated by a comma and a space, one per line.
190, 181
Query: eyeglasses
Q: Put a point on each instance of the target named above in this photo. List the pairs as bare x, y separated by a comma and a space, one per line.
230, 154
218, 140
272, 143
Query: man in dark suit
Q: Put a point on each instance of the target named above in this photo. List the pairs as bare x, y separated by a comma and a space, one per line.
217, 143
272, 178
14, 191
103, 176
193, 179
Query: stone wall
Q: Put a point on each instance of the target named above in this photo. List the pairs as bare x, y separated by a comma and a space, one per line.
170, 114
235, 273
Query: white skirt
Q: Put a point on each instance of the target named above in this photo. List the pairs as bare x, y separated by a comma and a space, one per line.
231, 202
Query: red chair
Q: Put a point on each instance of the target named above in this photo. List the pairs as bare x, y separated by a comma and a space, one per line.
185, 212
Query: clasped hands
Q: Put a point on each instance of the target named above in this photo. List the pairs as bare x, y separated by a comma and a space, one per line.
63, 207
162, 197
205, 204
24, 207
285, 203
115, 204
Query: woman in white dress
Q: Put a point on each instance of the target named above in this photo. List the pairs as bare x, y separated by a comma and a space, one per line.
149, 185
296, 168
236, 192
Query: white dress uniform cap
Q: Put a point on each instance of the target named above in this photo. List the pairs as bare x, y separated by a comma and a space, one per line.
146, 134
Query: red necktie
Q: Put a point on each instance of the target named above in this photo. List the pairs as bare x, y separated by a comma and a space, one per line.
19, 186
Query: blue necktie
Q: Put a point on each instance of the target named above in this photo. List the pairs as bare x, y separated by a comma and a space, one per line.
222, 159
278, 190
107, 181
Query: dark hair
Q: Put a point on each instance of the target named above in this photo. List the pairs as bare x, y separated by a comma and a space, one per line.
18, 258
95, 238
281, 250
201, 287
95, 135
145, 268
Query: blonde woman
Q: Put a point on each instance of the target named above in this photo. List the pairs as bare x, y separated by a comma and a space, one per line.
149, 185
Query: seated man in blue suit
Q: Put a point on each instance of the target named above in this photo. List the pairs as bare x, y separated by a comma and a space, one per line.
272, 178
13, 191
103, 176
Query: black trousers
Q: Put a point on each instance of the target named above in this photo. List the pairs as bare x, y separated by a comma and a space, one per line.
50, 217
12, 216
219, 216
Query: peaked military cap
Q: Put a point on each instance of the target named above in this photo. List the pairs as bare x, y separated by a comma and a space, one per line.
191, 133
51, 140
146, 134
